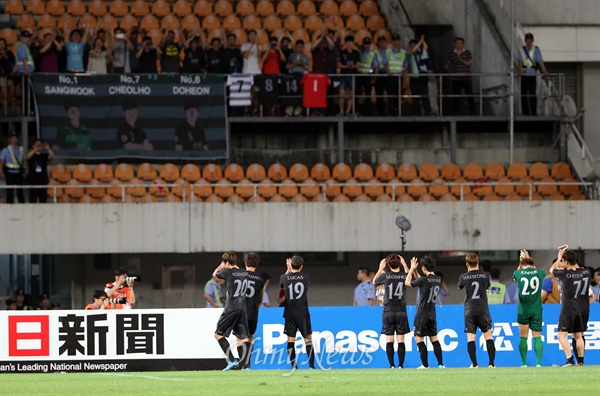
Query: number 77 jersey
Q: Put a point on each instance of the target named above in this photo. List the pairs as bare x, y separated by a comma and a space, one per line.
529, 282
295, 285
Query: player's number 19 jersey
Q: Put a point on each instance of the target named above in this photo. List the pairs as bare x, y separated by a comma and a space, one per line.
295, 285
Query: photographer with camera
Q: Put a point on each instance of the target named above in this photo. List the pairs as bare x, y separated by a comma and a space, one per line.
122, 288
37, 159
99, 301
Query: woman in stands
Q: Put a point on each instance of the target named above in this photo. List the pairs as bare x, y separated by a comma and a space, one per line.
99, 57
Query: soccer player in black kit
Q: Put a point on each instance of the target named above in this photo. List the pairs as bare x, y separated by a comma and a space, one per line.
234, 316
570, 319
295, 283
394, 318
477, 313
425, 319
254, 294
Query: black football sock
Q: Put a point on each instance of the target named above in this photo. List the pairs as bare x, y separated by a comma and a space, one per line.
423, 353
574, 343
311, 354
389, 350
472, 353
571, 360
292, 353
250, 347
491, 348
241, 354
226, 349
437, 349
401, 353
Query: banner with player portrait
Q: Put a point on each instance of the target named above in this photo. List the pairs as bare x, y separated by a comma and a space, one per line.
141, 115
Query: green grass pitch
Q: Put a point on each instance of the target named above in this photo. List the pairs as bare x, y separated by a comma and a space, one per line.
516, 381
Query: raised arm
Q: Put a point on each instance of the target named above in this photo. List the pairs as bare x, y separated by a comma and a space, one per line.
382, 265
413, 267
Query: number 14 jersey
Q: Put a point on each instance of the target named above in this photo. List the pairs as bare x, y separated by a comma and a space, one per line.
295, 285
393, 299
529, 282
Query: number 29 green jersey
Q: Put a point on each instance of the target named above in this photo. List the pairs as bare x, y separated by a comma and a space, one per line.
529, 281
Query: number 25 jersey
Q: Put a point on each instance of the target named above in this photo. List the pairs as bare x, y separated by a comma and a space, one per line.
475, 284
295, 285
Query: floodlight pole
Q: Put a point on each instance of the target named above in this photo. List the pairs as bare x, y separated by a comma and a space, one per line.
403, 239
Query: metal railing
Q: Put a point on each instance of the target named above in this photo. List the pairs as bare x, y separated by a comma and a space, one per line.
328, 191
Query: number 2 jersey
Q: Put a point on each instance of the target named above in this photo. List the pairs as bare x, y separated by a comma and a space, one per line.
429, 290
237, 281
475, 284
254, 294
295, 285
529, 281
393, 298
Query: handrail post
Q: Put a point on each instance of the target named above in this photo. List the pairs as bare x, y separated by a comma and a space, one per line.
441, 95
480, 94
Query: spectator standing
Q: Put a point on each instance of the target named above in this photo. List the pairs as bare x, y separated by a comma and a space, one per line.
194, 61
170, 57
497, 290
75, 48
121, 51
49, 52
364, 84
22, 303
284, 43
234, 55
55, 306
298, 62
348, 62
147, 56
419, 62
250, 51
37, 159
213, 293
135, 45
321, 50
99, 57
25, 64
529, 60
272, 57
217, 59
596, 285
364, 293
44, 303
8, 69
266, 302
381, 80
13, 167
459, 63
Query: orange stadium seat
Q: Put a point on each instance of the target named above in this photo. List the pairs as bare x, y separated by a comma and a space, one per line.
86, 199
329, 7
182, 8
332, 188
292, 23
363, 198
256, 199
547, 189
428, 172
426, 198
277, 173
223, 8
231, 22
118, 8
9, 35
455, 190
472, 171
211, 22
313, 23
516, 171
417, 188
404, 198
491, 197
301, 34
115, 189
285, 8
438, 188
569, 189
341, 198
288, 188
394, 188
155, 35
234, 173
309, 188
235, 199
190, 23
448, 198
213, 199
82, 173
97, 8
341, 172
169, 22
158, 189
363, 172
147, 198
386, 33
139, 8
77, 8
137, 189
265, 8
149, 22
95, 189
245, 188
277, 198
46, 21
538, 171
470, 197
320, 198
37, 7
383, 198
355, 22
73, 190
267, 189
87, 19
171, 198
298, 198
25, 22
66, 199
385, 172
245, 7
61, 173
55, 8
525, 189
375, 22
450, 172
561, 171
494, 171
577, 197
14, 7
504, 190
169, 173
128, 22
348, 8
190, 173
109, 21
482, 188
368, 8
203, 8
374, 188
320, 172
103, 173
256, 173
54, 189
536, 197
331, 21
306, 8
161, 8
298, 173
352, 189
407, 172
202, 188
555, 197
212, 173
513, 197
147, 172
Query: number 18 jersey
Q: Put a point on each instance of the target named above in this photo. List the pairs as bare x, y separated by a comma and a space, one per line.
529, 282
475, 284
295, 285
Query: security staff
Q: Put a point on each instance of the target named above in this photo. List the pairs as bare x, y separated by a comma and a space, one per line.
397, 67
13, 167
368, 66
529, 60
495, 293
25, 64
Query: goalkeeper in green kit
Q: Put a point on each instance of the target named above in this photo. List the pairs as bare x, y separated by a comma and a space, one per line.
529, 314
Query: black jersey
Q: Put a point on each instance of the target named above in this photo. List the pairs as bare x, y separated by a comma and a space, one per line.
584, 293
130, 134
254, 295
393, 298
237, 282
573, 281
429, 290
290, 91
475, 284
190, 137
268, 90
295, 285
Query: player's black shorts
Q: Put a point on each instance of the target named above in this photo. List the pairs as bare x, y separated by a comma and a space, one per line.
570, 323
395, 323
585, 317
294, 324
425, 326
483, 322
235, 321
252, 325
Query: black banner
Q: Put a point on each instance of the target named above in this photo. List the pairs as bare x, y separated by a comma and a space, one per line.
141, 115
